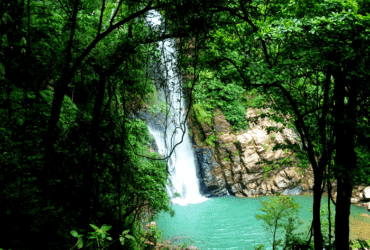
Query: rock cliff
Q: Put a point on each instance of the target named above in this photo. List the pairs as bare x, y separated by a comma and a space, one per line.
237, 162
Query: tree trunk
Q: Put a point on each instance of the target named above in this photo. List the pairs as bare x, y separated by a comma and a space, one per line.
318, 241
345, 158
88, 171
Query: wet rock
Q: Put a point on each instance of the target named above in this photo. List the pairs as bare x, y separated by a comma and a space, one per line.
355, 200
293, 191
361, 187
280, 181
366, 192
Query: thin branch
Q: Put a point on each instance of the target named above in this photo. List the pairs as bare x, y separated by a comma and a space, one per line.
101, 17
115, 12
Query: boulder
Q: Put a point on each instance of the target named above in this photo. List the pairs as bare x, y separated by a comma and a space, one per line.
360, 195
226, 138
271, 188
293, 191
361, 188
366, 193
252, 185
290, 136
247, 193
244, 140
355, 200
279, 138
280, 181
236, 188
259, 135
367, 205
291, 173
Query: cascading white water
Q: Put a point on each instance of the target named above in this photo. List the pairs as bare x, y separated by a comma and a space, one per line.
182, 162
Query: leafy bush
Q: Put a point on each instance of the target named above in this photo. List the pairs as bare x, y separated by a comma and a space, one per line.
280, 215
211, 140
235, 114
212, 93
99, 237
360, 244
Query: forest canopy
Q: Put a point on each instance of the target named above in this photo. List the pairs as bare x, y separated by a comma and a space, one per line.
73, 71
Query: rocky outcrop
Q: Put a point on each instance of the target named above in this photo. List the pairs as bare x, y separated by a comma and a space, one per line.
245, 164
361, 195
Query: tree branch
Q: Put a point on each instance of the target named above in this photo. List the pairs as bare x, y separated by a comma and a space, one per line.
101, 17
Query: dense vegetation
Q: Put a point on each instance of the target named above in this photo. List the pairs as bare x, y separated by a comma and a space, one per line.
306, 58
71, 72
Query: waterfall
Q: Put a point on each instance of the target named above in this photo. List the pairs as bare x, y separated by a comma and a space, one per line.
183, 179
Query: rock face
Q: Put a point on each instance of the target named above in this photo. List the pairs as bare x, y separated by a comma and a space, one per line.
237, 163
361, 195
366, 193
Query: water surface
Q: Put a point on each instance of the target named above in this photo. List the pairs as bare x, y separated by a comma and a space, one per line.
229, 223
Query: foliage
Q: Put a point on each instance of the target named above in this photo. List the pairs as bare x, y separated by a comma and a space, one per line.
210, 94
324, 212
279, 215
70, 74
99, 237
211, 140
360, 244
202, 116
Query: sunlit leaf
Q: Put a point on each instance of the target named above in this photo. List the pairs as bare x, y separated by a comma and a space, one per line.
74, 233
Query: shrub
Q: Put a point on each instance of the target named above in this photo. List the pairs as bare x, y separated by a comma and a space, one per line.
211, 140
280, 214
235, 114
360, 244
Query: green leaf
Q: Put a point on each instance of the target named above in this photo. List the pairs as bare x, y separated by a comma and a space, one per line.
106, 227
95, 227
122, 240
2, 69
74, 233
5, 40
6, 17
125, 232
23, 41
109, 238
129, 237
80, 243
